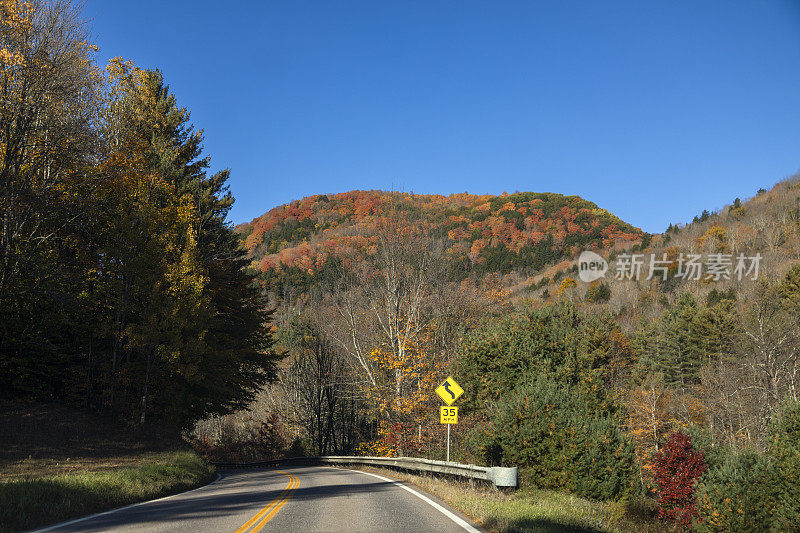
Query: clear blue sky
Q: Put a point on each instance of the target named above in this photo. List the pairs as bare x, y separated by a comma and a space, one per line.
654, 110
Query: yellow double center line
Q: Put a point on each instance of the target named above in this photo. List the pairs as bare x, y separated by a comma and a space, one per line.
271, 509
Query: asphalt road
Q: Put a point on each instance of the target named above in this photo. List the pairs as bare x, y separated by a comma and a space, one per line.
303, 499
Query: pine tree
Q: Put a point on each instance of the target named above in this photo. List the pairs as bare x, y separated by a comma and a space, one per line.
225, 356
677, 359
784, 448
790, 290
714, 332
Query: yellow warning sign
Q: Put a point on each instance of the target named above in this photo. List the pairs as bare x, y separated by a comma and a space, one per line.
448, 415
449, 391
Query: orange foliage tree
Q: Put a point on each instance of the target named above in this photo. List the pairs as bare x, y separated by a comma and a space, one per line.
403, 394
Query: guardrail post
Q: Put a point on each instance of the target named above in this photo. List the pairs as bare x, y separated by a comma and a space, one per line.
503, 477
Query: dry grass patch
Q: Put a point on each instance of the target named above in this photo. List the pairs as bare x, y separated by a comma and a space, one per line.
532, 510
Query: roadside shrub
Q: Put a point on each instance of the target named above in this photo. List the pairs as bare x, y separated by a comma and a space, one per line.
242, 441
602, 460
738, 495
751, 491
677, 467
598, 292
298, 448
547, 430
784, 450
541, 380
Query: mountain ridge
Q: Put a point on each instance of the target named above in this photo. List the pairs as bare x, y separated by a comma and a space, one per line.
518, 232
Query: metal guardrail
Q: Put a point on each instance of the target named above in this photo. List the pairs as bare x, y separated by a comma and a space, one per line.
502, 477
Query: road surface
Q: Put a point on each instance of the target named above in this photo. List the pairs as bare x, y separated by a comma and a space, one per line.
304, 499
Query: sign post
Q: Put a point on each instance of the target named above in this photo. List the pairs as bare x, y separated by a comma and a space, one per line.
449, 391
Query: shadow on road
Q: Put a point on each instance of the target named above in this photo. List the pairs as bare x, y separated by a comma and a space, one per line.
236, 494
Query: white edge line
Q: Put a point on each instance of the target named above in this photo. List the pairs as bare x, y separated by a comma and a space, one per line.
77, 520
449, 514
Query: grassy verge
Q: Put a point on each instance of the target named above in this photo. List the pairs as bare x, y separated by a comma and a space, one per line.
32, 502
58, 463
533, 510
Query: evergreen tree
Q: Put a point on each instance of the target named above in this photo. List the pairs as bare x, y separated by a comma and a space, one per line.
739, 495
677, 358
715, 296
598, 292
790, 290
784, 449
225, 355
714, 332
129, 294
560, 442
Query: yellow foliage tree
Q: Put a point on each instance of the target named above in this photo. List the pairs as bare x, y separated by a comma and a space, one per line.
408, 376
567, 284
650, 418
715, 238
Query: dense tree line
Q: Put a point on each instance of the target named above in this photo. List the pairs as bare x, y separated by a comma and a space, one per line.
581, 399
122, 286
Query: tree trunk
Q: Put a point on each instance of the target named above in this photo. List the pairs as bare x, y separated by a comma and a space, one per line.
146, 384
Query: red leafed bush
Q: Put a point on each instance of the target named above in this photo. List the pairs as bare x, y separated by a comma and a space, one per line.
677, 467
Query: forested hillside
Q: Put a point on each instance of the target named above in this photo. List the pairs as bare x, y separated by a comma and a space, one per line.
299, 244
767, 224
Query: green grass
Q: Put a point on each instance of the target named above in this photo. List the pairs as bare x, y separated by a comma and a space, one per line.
37, 501
539, 511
